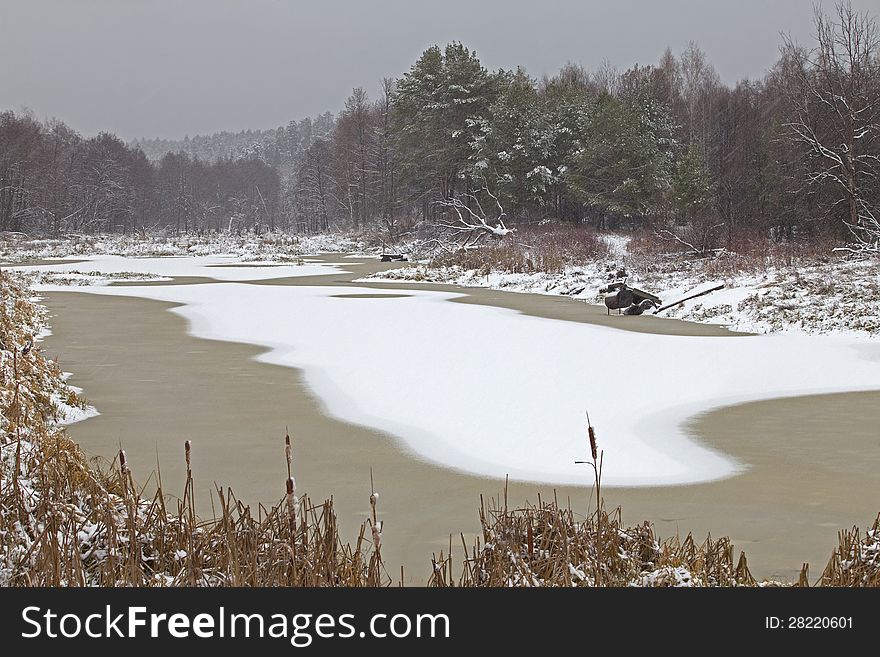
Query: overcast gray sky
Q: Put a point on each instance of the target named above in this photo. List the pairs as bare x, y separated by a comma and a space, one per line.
167, 68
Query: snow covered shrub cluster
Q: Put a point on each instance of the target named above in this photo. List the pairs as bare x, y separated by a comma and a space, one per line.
548, 249
547, 545
33, 400
820, 300
856, 561
33, 392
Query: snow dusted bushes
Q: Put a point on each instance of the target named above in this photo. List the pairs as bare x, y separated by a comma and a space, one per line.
819, 300
547, 545
33, 393
547, 248
35, 452
856, 560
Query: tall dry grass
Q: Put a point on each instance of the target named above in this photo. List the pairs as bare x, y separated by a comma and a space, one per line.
855, 562
88, 528
549, 545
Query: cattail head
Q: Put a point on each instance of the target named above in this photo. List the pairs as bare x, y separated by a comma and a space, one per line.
288, 452
374, 497
292, 502
187, 446
377, 535
593, 448
123, 464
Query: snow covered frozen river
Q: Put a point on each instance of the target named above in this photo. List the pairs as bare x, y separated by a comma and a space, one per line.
464, 391
492, 392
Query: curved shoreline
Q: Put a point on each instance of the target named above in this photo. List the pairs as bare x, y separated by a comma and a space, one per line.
533, 305
304, 328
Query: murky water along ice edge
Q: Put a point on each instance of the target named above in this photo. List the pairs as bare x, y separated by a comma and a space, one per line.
495, 379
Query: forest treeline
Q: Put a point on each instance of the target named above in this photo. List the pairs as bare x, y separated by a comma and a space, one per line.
53, 181
668, 146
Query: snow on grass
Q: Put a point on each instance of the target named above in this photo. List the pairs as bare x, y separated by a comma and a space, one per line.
667, 576
71, 413
492, 392
841, 298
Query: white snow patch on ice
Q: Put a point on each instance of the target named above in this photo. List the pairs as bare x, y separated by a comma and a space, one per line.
232, 269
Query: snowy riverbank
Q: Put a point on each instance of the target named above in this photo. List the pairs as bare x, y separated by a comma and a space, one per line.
816, 296
840, 297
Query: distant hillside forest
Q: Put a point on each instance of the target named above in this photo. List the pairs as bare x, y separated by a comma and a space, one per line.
666, 146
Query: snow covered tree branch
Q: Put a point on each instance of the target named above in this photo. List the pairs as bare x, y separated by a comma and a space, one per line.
466, 222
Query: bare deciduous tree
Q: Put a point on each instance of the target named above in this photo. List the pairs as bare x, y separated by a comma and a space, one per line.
835, 100
698, 78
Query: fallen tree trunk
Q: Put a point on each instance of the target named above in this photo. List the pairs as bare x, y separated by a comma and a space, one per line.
693, 296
